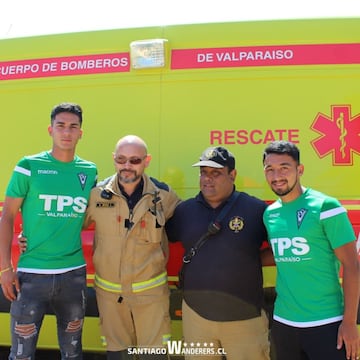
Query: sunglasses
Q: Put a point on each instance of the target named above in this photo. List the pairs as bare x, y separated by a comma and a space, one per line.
132, 160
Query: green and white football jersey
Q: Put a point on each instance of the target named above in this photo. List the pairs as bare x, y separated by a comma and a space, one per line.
303, 235
55, 199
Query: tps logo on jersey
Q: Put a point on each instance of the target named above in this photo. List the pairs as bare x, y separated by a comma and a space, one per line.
60, 205
290, 250
339, 135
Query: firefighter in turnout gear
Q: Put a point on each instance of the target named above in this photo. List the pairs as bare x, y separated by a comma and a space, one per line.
129, 210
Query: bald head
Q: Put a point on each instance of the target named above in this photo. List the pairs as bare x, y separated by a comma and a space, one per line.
130, 159
133, 140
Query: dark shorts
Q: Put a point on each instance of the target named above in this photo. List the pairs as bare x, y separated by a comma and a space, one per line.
312, 343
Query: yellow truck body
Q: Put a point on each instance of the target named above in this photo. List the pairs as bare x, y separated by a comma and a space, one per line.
184, 88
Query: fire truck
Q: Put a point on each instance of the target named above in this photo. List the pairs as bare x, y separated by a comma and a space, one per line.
183, 88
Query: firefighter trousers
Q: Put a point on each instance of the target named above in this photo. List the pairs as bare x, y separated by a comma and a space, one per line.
137, 320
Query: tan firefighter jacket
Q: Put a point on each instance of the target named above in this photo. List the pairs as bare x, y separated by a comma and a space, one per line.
130, 247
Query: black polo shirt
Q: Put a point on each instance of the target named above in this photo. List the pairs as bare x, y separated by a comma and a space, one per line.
223, 281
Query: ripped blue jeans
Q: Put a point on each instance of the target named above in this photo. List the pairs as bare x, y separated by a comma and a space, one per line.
64, 295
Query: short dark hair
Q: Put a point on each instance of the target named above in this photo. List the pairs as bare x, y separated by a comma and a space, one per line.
282, 147
66, 107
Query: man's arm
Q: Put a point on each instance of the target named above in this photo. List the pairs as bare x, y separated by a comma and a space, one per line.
267, 256
348, 333
8, 276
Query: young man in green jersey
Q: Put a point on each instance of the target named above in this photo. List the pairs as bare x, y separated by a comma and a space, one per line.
129, 209
311, 236
51, 189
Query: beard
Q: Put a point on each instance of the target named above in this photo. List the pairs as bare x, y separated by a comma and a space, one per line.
127, 179
285, 191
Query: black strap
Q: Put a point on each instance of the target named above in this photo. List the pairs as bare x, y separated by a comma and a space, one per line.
213, 228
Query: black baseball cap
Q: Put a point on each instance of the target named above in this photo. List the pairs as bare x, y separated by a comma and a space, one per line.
217, 157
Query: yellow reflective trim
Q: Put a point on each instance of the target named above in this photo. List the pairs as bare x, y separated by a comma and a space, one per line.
107, 285
136, 287
149, 284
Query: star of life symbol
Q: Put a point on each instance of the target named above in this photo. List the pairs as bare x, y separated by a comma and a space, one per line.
340, 135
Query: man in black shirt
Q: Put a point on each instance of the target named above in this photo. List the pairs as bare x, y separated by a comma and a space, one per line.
222, 283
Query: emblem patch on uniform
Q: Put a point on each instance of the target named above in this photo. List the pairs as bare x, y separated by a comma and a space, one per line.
82, 178
236, 223
300, 214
